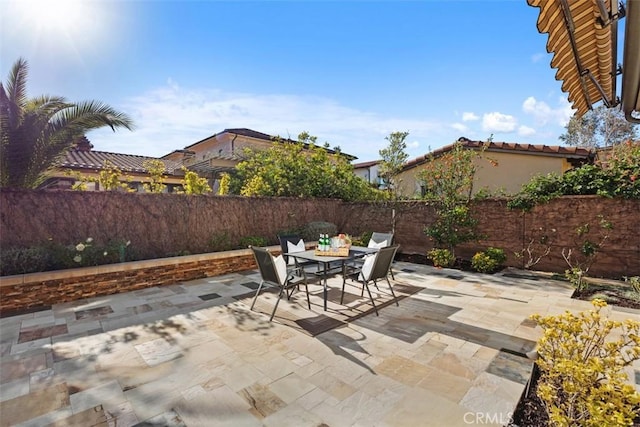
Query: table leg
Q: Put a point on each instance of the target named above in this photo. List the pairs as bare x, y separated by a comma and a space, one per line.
325, 286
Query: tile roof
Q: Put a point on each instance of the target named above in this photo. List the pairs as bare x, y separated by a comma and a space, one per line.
84, 159
363, 165
534, 149
263, 136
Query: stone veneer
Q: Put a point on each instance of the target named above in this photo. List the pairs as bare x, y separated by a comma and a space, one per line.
41, 290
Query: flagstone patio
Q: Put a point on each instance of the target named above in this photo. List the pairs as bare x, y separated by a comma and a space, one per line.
192, 354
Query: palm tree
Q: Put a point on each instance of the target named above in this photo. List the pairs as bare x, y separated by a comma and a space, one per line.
36, 132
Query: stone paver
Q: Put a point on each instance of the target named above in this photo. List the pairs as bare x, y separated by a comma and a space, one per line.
190, 354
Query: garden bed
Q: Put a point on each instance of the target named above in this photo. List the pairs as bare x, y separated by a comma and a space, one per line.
618, 295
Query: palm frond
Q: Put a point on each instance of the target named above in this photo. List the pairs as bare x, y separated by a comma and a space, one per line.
36, 133
89, 115
17, 83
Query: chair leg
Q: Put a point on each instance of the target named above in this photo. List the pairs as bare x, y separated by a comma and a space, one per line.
308, 300
276, 306
256, 297
393, 293
344, 281
371, 297
392, 276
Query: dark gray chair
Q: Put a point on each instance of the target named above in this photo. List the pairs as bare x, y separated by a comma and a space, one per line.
278, 276
377, 239
375, 267
284, 240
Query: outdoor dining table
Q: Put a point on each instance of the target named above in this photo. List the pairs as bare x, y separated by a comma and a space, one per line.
326, 260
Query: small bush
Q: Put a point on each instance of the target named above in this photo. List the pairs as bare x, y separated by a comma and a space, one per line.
50, 256
313, 230
488, 261
220, 242
582, 379
253, 241
441, 257
362, 239
24, 260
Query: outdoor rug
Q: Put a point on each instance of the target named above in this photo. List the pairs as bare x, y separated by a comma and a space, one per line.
295, 313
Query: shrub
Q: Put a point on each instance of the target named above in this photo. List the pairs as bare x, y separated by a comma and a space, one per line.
24, 260
220, 242
488, 261
582, 255
441, 257
253, 241
50, 256
362, 239
313, 230
582, 382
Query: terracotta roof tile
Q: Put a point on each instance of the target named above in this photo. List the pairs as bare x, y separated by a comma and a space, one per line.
366, 164
549, 150
82, 159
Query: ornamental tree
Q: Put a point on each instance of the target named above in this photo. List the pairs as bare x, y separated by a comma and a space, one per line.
297, 169
448, 184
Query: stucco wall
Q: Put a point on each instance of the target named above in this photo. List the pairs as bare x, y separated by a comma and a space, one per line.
496, 171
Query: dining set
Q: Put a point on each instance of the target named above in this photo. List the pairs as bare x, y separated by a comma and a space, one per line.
299, 265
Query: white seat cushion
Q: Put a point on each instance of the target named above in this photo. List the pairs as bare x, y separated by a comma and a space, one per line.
292, 249
281, 268
374, 245
367, 267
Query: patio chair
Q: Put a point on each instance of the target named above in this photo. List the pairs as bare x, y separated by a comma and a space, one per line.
273, 270
374, 267
380, 240
292, 243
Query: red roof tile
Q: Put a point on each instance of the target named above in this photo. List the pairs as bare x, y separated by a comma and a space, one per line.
548, 150
95, 160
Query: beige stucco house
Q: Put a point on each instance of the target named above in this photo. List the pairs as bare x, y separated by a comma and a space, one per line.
502, 167
209, 157
369, 171
221, 152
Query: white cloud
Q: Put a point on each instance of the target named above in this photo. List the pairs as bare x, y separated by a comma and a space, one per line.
537, 57
172, 117
498, 122
468, 116
414, 144
544, 114
526, 131
460, 127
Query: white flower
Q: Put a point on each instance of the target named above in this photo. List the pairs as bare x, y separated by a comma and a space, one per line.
104, 253
77, 258
128, 242
80, 247
89, 239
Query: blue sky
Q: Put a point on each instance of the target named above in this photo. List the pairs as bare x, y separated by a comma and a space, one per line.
348, 72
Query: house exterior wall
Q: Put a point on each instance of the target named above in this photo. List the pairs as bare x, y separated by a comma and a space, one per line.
496, 171
369, 174
226, 144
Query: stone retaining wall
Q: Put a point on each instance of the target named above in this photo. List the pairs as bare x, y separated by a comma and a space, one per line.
41, 290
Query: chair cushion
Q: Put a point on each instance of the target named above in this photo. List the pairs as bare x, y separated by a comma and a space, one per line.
377, 245
281, 268
369, 260
292, 249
